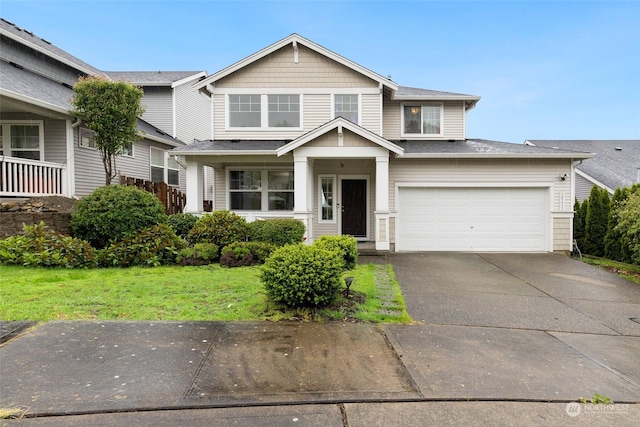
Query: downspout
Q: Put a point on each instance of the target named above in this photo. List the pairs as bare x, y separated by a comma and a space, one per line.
71, 167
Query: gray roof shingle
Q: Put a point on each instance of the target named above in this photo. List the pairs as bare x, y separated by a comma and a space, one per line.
151, 78
414, 92
616, 164
481, 147
240, 146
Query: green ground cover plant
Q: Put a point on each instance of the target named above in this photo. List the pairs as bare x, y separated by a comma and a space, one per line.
628, 271
211, 293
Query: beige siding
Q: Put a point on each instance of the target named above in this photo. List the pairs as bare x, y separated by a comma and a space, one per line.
193, 114
158, 104
370, 109
562, 234
278, 70
493, 172
453, 120
316, 110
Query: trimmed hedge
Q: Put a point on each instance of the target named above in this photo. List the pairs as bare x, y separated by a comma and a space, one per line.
280, 231
346, 246
302, 276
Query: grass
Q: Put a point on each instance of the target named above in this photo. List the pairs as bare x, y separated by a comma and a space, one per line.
210, 293
628, 271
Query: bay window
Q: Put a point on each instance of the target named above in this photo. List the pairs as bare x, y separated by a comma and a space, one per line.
422, 119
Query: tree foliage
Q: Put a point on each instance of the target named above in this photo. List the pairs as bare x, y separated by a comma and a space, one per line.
596, 221
629, 224
579, 217
110, 109
615, 245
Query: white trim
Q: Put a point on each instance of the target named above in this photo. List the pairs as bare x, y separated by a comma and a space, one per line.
264, 178
188, 79
421, 135
297, 91
6, 137
34, 101
367, 203
70, 189
464, 122
264, 113
341, 152
498, 155
333, 105
298, 40
334, 179
173, 113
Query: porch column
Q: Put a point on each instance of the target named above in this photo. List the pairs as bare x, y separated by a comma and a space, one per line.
69, 173
194, 187
301, 195
382, 204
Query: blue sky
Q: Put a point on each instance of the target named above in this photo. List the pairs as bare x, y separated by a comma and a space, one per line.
544, 70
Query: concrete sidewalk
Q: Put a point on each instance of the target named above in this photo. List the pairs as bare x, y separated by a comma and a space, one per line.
501, 340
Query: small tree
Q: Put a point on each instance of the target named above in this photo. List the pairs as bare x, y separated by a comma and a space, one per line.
110, 109
579, 216
629, 224
614, 241
596, 221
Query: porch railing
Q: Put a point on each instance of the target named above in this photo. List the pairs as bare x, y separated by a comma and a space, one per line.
26, 178
172, 199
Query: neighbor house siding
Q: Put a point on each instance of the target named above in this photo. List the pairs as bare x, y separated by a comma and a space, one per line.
492, 172
193, 114
583, 187
158, 105
278, 70
452, 122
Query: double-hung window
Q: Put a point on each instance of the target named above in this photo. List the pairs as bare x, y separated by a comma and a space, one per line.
25, 141
264, 111
346, 106
422, 119
261, 190
164, 168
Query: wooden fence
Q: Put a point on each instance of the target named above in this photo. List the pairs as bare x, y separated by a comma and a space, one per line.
172, 199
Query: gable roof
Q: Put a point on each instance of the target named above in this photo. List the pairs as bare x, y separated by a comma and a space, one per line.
339, 123
294, 40
156, 78
29, 39
616, 163
479, 148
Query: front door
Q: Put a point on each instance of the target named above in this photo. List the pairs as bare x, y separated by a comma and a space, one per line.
354, 207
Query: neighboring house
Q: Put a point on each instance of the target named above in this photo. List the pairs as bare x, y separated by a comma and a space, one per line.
44, 149
616, 164
300, 131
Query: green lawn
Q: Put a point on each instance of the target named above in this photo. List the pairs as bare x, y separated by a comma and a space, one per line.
628, 271
211, 293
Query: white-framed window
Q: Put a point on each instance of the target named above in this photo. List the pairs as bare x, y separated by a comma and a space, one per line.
164, 168
422, 119
127, 150
271, 111
248, 192
86, 138
23, 139
346, 106
327, 198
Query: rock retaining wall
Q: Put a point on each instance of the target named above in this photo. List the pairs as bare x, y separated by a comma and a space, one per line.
11, 222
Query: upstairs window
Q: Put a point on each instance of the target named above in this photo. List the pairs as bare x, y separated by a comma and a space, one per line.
346, 106
425, 119
284, 111
244, 111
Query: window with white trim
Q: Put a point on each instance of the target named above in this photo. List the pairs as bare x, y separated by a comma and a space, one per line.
247, 191
22, 139
346, 106
86, 138
245, 111
327, 202
284, 111
422, 119
264, 111
164, 168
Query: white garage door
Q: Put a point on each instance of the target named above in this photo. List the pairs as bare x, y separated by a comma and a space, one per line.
472, 219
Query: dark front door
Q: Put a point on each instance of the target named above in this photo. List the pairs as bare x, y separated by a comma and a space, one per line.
354, 207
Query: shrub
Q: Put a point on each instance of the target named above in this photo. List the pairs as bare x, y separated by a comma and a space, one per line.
153, 246
220, 227
614, 241
40, 247
259, 252
629, 224
302, 275
280, 232
346, 246
112, 212
198, 254
182, 223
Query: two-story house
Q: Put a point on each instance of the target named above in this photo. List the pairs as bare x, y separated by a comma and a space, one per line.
45, 150
300, 131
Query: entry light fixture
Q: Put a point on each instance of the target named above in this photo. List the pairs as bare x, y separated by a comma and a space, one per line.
563, 176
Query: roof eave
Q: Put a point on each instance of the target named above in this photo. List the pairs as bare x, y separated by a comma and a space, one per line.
224, 152
34, 101
573, 156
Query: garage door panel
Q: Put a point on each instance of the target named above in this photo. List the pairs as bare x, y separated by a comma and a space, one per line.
472, 219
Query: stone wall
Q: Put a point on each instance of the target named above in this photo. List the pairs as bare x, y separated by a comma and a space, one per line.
11, 222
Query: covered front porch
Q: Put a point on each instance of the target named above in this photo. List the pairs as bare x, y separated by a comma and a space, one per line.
334, 179
29, 178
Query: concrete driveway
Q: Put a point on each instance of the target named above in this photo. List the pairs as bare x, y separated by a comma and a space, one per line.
517, 326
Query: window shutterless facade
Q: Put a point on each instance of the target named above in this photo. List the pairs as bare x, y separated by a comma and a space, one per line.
264, 111
422, 119
23, 139
346, 106
164, 168
248, 192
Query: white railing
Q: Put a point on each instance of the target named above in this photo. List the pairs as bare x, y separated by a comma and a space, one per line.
24, 178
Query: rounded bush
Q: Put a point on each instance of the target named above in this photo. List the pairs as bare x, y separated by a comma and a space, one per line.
110, 213
198, 254
280, 232
302, 276
182, 223
259, 252
220, 227
346, 246
40, 247
153, 246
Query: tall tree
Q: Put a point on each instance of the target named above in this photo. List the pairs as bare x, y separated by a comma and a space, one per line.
110, 109
614, 240
629, 224
596, 221
579, 215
